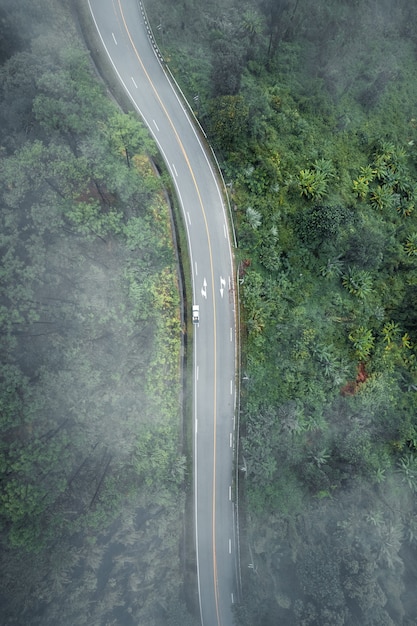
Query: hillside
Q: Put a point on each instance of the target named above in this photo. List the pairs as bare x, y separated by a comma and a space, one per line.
311, 109
93, 474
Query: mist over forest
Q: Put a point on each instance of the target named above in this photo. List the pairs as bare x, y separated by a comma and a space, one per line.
311, 108
93, 474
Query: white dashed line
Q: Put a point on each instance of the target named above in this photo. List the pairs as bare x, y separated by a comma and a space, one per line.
114, 38
196, 270
230, 492
230, 546
156, 125
231, 387
189, 218
175, 171
133, 81
225, 231
231, 440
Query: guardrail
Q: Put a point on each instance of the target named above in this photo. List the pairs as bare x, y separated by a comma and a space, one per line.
173, 80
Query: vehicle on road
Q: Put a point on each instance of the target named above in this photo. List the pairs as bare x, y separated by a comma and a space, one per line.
196, 314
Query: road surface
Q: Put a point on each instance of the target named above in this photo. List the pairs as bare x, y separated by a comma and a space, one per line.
123, 32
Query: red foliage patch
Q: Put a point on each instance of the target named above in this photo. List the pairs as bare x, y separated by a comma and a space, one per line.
352, 386
243, 267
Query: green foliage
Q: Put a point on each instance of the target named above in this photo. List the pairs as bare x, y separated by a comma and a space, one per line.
317, 140
363, 342
229, 117
357, 282
410, 246
91, 466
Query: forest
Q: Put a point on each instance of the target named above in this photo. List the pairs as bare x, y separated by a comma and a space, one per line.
311, 108
93, 475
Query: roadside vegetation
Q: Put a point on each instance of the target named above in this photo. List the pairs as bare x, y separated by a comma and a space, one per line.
92, 470
311, 109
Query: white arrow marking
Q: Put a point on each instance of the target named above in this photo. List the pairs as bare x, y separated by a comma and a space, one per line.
204, 289
114, 38
222, 285
156, 126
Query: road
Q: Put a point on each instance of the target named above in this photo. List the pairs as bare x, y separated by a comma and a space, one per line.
122, 30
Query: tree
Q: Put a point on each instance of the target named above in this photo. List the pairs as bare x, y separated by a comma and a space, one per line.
313, 184
228, 120
357, 282
126, 135
363, 342
227, 69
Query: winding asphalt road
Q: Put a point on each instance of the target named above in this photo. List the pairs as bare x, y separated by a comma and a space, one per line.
122, 29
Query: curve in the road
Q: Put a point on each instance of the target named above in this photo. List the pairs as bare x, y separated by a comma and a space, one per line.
110, 17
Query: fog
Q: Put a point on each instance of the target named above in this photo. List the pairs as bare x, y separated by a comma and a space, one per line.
93, 493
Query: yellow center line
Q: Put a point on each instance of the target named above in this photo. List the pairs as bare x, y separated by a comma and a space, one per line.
216, 591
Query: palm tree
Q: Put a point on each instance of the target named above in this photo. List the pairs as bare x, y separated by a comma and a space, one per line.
333, 268
405, 206
325, 168
251, 25
312, 183
382, 197
410, 245
357, 282
363, 342
407, 467
390, 331
360, 187
254, 217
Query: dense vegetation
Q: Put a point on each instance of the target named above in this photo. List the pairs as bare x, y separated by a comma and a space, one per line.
91, 463
311, 107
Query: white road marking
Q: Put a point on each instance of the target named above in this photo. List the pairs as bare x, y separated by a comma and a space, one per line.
230, 440
114, 38
204, 289
156, 125
231, 387
230, 492
222, 285
197, 372
233, 599
196, 270
133, 81
231, 334
230, 546
225, 231
175, 171
189, 218
196, 426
